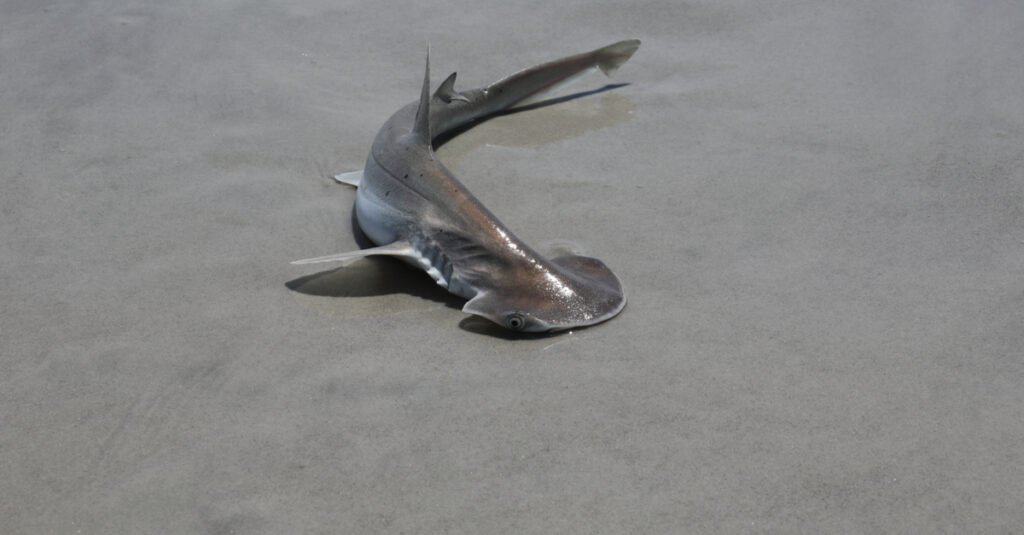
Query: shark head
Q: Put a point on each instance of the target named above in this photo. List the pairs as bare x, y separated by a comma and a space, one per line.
573, 292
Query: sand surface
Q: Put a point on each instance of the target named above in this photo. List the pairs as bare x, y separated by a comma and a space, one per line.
817, 210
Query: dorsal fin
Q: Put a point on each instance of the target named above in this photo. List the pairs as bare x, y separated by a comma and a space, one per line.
446, 91
421, 127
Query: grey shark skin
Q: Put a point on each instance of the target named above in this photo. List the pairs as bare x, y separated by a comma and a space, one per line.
414, 208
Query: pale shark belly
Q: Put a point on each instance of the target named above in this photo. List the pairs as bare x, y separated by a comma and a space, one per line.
384, 223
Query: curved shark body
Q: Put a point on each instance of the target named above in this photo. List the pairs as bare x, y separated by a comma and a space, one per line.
414, 208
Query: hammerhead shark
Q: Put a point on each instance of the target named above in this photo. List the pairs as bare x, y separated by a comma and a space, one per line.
413, 208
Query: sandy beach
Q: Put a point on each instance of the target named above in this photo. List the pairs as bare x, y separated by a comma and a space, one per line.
816, 210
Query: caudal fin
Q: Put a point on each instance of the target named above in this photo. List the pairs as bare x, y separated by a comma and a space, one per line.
611, 57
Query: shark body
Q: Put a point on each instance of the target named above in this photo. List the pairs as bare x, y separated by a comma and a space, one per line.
412, 207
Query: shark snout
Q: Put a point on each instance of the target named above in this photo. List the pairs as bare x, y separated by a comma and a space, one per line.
577, 292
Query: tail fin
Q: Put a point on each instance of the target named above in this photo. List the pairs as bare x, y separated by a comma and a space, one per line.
613, 56
421, 128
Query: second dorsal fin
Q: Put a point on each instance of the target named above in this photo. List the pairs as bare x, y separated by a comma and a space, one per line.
446, 91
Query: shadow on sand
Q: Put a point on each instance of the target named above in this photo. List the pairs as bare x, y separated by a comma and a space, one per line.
373, 276
447, 136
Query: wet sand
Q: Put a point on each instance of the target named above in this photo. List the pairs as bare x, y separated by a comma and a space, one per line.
817, 211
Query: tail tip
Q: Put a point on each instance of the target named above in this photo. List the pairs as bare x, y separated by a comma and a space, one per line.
613, 56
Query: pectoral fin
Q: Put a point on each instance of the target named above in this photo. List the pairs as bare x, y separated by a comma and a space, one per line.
398, 248
352, 179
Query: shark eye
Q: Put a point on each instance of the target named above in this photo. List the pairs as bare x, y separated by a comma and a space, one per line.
515, 321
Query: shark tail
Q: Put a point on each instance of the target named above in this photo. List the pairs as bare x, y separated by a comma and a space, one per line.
611, 57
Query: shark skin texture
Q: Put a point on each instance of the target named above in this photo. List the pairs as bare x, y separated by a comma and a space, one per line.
413, 208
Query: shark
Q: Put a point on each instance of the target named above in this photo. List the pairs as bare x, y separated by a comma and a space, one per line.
413, 208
